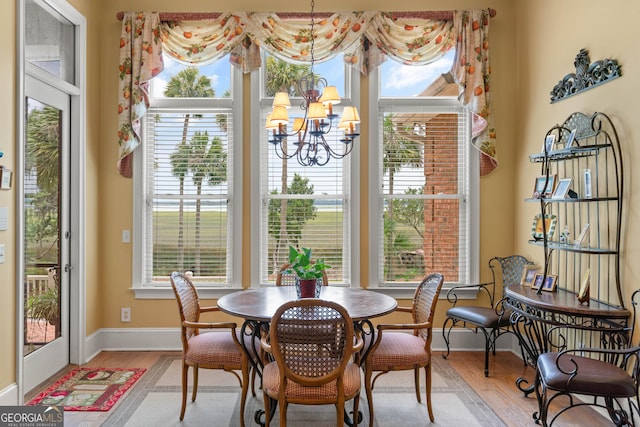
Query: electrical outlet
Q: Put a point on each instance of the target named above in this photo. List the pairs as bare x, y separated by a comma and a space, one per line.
125, 314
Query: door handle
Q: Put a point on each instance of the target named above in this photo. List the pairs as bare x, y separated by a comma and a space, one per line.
68, 267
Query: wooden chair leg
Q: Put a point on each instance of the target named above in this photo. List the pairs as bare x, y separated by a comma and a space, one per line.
185, 372
356, 408
416, 382
267, 409
340, 413
195, 383
369, 388
427, 371
283, 413
245, 389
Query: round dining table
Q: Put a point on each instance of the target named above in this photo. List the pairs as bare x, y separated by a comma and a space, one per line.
261, 304
257, 307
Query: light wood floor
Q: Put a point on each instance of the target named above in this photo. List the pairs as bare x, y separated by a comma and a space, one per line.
498, 390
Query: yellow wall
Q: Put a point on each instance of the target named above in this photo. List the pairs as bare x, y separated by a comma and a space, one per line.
533, 44
549, 35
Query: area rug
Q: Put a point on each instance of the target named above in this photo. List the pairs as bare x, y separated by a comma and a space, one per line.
156, 400
89, 389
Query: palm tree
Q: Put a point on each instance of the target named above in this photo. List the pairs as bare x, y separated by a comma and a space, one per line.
43, 136
281, 77
180, 167
398, 152
207, 161
188, 83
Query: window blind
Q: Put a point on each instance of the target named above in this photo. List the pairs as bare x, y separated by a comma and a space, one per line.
423, 194
305, 206
188, 206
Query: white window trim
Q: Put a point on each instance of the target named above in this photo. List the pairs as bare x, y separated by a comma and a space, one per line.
399, 291
145, 291
258, 133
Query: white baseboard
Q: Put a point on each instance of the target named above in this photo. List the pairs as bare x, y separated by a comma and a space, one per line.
134, 339
461, 339
9, 395
168, 339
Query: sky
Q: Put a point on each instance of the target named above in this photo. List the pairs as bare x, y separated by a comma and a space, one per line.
396, 79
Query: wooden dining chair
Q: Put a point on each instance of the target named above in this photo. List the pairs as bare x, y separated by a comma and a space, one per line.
311, 366
218, 349
396, 350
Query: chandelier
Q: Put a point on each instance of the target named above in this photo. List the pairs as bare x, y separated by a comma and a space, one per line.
310, 132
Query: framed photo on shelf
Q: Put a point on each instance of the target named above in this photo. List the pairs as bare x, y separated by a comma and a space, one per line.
583, 293
529, 274
571, 138
544, 186
548, 143
582, 236
550, 222
538, 280
549, 283
562, 189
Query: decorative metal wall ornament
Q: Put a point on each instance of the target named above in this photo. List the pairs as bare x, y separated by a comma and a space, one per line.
586, 76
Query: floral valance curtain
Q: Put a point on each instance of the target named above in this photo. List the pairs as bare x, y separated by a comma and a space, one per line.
365, 38
140, 61
471, 70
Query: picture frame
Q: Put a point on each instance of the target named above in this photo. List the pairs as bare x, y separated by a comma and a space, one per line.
549, 284
528, 274
583, 292
587, 183
562, 189
571, 138
544, 186
5, 178
549, 225
549, 140
538, 280
582, 236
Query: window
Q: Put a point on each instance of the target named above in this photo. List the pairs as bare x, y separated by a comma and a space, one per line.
303, 206
422, 205
187, 191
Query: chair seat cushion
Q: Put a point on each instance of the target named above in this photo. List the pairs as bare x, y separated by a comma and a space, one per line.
481, 316
594, 377
399, 350
214, 350
295, 391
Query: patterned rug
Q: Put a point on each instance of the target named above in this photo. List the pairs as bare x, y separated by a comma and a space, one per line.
89, 389
156, 399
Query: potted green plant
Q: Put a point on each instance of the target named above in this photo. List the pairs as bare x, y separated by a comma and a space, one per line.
307, 271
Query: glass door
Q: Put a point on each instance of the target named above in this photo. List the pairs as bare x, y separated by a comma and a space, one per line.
46, 231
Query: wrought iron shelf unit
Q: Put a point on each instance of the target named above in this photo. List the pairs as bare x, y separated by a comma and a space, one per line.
551, 321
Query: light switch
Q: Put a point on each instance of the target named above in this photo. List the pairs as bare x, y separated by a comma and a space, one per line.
1, 253
126, 236
4, 218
